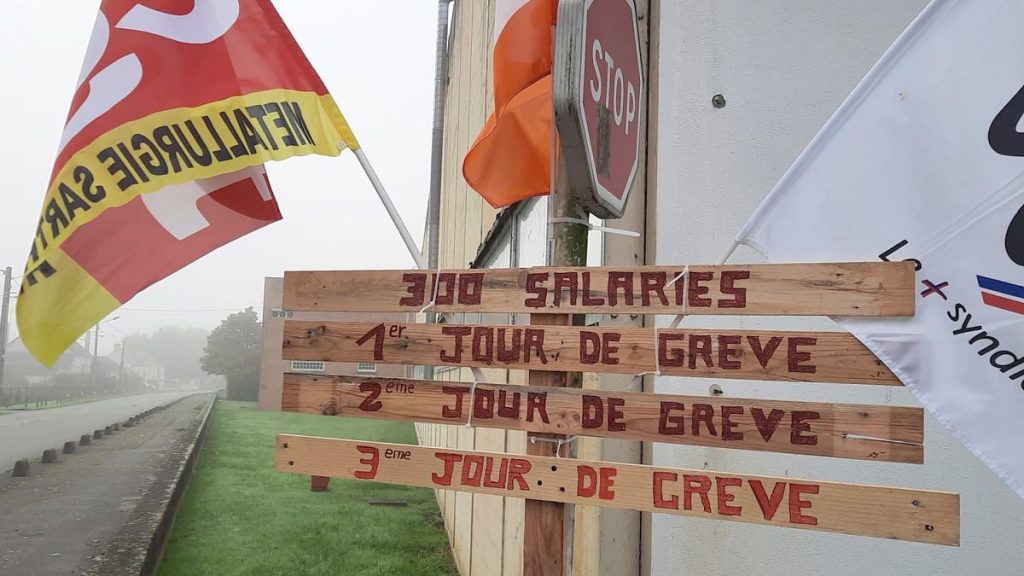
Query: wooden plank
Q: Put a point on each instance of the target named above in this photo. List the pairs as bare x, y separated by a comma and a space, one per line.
735, 354
855, 431
488, 514
849, 289
515, 508
544, 542
883, 512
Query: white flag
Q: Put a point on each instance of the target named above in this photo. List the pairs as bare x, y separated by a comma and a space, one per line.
925, 161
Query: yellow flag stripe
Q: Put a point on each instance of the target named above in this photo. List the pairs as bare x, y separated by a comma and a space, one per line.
55, 312
165, 148
338, 120
181, 145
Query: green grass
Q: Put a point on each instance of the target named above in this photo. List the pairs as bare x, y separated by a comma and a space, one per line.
240, 516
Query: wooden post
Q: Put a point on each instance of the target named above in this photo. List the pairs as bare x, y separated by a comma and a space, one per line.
546, 523
547, 528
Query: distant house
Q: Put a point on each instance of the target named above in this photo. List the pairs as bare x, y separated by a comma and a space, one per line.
140, 363
21, 368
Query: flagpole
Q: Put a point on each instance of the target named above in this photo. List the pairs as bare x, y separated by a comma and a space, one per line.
728, 253
396, 218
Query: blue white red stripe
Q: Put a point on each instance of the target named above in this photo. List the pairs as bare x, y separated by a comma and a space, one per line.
1000, 294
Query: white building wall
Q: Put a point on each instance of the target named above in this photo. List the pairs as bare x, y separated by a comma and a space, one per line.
783, 67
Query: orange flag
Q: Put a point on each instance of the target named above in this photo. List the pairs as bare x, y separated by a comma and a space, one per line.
511, 158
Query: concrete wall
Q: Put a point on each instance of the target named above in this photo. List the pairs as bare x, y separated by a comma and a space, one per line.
783, 68
272, 367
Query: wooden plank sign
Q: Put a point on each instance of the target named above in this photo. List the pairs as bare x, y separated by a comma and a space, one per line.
882, 433
896, 513
737, 354
845, 289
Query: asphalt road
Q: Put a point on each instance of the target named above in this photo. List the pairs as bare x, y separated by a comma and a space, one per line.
88, 512
26, 434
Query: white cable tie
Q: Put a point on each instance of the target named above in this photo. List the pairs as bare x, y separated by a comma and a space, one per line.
472, 402
433, 295
657, 341
591, 226
558, 442
638, 377
686, 297
535, 439
680, 276
558, 449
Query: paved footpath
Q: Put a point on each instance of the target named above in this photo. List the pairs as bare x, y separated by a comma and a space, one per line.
62, 517
25, 434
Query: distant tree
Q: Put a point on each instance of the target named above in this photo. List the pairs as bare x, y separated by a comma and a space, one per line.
178, 350
233, 350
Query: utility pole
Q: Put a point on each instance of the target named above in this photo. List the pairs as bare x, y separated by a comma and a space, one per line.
120, 369
5, 309
95, 358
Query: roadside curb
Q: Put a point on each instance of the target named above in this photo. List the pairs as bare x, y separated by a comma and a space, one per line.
98, 434
139, 544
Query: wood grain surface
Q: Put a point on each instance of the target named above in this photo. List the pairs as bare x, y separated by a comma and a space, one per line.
855, 431
883, 512
735, 354
845, 289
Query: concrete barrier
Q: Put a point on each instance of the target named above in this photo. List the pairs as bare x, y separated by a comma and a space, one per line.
20, 468
137, 548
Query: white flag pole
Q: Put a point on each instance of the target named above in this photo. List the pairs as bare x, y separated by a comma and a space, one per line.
414, 251
732, 248
403, 230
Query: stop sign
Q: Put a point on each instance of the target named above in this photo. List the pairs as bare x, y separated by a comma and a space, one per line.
599, 100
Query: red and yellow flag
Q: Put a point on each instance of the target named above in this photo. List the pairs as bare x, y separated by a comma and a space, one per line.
511, 158
179, 104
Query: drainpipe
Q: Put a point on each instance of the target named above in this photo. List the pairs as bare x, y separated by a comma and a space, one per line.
437, 147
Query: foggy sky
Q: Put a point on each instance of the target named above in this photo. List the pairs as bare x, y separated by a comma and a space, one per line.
376, 58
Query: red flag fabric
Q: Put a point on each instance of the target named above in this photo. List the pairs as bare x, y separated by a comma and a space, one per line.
179, 104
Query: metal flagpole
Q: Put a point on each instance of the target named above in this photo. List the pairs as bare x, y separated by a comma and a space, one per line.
478, 374
728, 253
414, 251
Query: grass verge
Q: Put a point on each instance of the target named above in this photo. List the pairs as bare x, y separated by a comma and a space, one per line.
49, 404
239, 516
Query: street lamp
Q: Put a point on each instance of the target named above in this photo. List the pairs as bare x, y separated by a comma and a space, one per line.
120, 368
95, 354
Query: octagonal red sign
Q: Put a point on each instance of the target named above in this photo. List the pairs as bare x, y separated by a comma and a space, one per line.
610, 99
